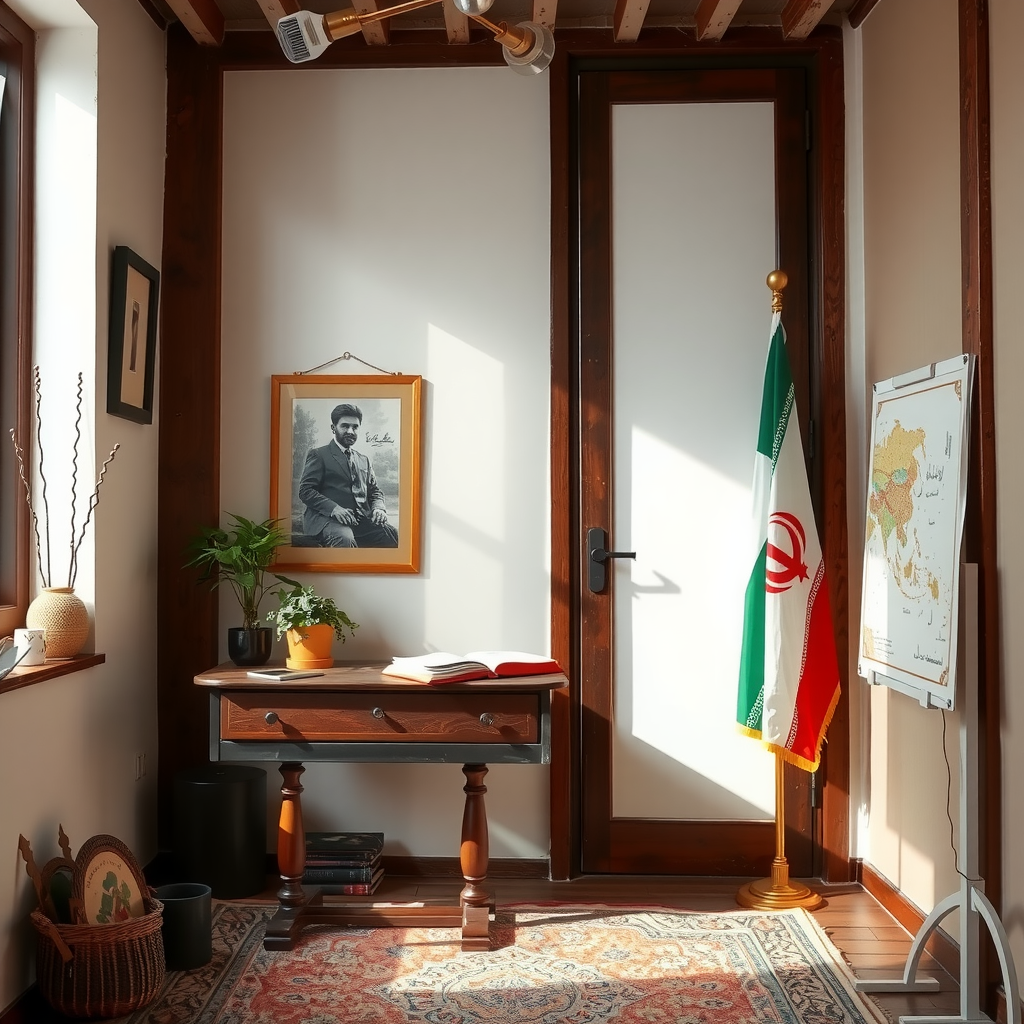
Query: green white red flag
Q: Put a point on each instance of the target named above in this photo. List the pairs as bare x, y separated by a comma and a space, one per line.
789, 674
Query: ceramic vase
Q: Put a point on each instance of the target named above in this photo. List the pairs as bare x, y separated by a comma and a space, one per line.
63, 617
310, 647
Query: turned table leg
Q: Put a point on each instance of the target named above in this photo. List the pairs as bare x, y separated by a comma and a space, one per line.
291, 860
473, 855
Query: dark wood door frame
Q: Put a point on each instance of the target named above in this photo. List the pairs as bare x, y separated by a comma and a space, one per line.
621, 844
821, 57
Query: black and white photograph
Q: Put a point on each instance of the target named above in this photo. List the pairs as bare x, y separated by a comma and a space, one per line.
345, 472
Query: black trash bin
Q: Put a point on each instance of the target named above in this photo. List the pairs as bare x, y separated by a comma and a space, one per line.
187, 925
220, 828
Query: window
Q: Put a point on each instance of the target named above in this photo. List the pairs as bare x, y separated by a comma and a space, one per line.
17, 117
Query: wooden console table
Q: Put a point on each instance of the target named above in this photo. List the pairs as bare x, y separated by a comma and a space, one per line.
353, 713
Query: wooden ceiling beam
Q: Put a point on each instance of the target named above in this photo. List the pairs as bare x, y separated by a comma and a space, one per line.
275, 10
544, 12
714, 17
376, 33
456, 23
202, 18
629, 19
158, 16
799, 17
859, 11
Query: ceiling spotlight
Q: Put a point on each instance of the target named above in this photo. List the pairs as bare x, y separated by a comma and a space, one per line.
527, 48
302, 36
473, 7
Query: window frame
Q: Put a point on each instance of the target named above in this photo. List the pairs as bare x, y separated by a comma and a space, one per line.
17, 170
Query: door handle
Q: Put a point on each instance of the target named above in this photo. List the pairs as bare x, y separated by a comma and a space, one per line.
597, 557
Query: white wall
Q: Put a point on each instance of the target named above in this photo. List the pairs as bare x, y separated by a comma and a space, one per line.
403, 216
1007, 83
68, 745
905, 254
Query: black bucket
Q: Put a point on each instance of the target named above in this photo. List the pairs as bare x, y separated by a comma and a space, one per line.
187, 926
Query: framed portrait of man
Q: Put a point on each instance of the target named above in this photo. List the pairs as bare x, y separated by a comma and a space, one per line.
345, 477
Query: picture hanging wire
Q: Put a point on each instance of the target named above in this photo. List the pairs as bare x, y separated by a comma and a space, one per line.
349, 355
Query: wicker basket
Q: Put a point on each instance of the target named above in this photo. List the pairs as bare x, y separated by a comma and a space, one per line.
100, 970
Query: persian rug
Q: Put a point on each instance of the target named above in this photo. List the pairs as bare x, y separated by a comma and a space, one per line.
550, 965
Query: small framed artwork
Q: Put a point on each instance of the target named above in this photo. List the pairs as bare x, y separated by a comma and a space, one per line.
108, 885
345, 472
131, 352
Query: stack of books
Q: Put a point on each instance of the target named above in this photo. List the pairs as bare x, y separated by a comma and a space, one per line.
348, 862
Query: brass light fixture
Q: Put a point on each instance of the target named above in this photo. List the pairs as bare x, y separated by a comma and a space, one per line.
526, 47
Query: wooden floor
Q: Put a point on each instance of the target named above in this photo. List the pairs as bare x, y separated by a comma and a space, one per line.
871, 941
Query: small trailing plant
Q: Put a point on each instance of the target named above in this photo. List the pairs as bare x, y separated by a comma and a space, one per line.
303, 606
77, 532
240, 557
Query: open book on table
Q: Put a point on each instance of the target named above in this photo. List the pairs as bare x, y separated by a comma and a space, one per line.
442, 667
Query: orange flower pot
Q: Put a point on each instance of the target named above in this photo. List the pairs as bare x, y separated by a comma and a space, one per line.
310, 647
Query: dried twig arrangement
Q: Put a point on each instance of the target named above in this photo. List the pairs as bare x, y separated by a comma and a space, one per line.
94, 499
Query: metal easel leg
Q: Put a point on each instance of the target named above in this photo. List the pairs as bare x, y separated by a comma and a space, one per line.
973, 904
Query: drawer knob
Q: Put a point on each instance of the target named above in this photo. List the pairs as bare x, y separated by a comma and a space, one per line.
377, 713
487, 718
270, 718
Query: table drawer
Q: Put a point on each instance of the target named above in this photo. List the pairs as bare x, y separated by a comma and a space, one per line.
429, 717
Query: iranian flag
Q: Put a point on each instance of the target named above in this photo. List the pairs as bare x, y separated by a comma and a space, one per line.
789, 675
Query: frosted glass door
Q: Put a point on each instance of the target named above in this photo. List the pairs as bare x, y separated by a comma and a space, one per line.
693, 238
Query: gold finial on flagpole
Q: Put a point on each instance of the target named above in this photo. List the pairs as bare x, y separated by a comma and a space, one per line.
777, 280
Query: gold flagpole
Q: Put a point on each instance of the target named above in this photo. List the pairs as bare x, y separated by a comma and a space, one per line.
776, 892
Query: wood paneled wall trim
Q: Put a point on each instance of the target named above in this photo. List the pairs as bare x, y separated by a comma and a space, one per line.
945, 950
980, 532
188, 478
189, 460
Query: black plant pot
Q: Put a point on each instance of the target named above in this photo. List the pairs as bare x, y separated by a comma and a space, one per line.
250, 646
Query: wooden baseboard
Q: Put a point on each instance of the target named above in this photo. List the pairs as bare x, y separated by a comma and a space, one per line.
29, 1008
449, 867
161, 869
945, 950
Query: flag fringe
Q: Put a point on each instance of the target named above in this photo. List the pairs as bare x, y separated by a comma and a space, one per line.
792, 758
744, 730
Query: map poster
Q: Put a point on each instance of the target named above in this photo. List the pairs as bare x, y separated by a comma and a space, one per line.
917, 494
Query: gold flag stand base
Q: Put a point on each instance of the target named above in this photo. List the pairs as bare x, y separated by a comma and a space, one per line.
777, 893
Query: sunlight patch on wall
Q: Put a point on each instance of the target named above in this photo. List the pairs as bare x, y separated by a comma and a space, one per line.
71, 202
64, 340
466, 439
676, 685
474, 612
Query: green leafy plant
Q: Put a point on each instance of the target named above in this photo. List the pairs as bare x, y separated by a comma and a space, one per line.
240, 557
303, 606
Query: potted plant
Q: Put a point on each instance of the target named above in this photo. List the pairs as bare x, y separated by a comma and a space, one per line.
240, 557
312, 622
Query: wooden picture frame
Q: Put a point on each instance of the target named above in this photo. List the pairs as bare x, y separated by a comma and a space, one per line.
131, 351
333, 526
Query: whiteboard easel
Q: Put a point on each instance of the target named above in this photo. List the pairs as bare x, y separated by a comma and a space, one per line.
970, 900
937, 399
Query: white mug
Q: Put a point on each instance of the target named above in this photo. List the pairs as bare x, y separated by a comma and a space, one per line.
32, 640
